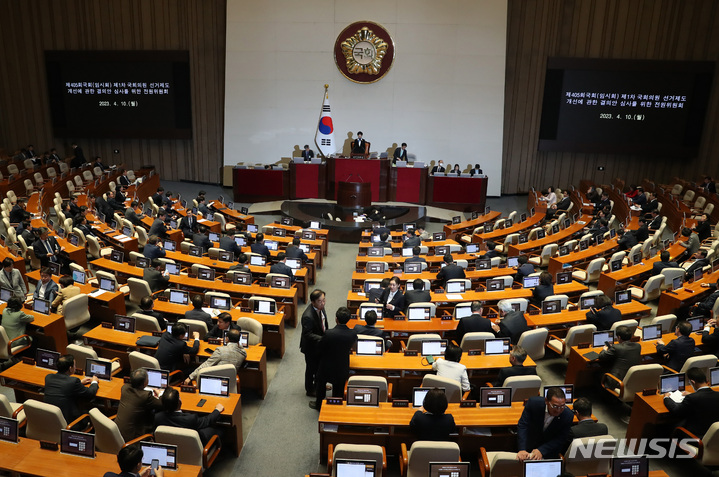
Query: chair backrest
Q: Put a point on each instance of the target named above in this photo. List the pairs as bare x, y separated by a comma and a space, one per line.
76, 311
225, 371
577, 334
670, 273
710, 457
141, 236
379, 381
87, 175
51, 172
523, 303
423, 452
653, 288
253, 326
580, 465
638, 378
523, 387
504, 464
139, 289
186, 439
533, 342
563, 299
475, 340
359, 452
81, 354
146, 323
703, 362
632, 324
594, 269
195, 325
688, 195
667, 322
107, 435
421, 304
452, 387
414, 342
141, 360
467, 282
44, 421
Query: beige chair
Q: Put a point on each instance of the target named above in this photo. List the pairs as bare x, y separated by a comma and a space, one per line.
146, 323
385, 390
141, 360
10, 348
499, 464
704, 448
138, 289
224, 371
415, 463
83, 353
97, 171
651, 290
638, 378
13, 169
110, 276
475, 340
51, 173
591, 275
467, 282
669, 274
523, 387
359, 452
703, 362
94, 248
44, 421
523, 303
253, 299
415, 341
667, 322
452, 388
254, 328
576, 335
193, 452
87, 176
107, 435
533, 342
542, 260
616, 256
510, 239
76, 311
34, 261
632, 324
578, 464
12, 409
195, 325
141, 235
688, 195
677, 189
563, 300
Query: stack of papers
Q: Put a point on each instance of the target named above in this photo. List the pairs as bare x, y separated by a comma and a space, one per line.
676, 396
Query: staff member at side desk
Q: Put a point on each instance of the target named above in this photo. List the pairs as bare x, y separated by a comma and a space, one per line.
393, 299
699, 409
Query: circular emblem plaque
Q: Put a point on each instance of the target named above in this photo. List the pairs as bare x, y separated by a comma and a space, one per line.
364, 52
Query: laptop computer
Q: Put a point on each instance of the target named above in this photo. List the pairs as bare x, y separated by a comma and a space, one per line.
714, 376
213, 236
668, 383
455, 287
540, 468
240, 241
294, 263
77, 443
165, 454
441, 250
369, 347
495, 397
258, 260
622, 296
315, 225
496, 346
98, 367
213, 385
172, 268
512, 262
355, 468
363, 396
420, 313
45, 358
220, 302
41, 306
366, 307
179, 297
651, 332
157, 378
433, 347
601, 338
551, 306
125, 323
272, 245
242, 278
6, 294
586, 302
418, 395
462, 310
677, 283
530, 282
697, 323
264, 307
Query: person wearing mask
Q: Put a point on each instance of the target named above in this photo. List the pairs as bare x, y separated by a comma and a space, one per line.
439, 168
431, 423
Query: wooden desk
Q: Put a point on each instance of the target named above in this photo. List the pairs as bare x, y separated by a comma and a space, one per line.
398, 244
29, 380
669, 301
633, 309
53, 333
432, 260
500, 234
560, 237
457, 193
233, 214
649, 415
75, 254
453, 230
579, 258
321, 234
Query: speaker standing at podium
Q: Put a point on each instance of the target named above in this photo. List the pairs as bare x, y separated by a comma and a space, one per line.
307, 154
400, 154
359, 145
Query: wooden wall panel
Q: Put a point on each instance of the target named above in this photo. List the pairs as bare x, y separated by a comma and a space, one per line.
29, 27
640, 29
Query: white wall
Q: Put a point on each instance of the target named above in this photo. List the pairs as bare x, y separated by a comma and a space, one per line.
444, 95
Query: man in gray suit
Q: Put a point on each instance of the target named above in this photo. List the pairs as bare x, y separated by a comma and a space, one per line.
233, 354
622, 355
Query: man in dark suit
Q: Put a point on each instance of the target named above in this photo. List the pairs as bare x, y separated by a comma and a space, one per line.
307, 153
384, 241
474, 323
544, 289
147, 303
603, 315
491, 251
655, 220
586, 427
202, 206
400, 154
704, 307
153, 248
17, 212
123, 180
699, 263
392, 299
63, 390
54, 156
623, 355
158, 226
710, 336
158, 195
475, 170
227, 242
46, 288
439, 168
46, 248
334, 349
537, 439
702, 228
79, 157
664, 262
651, 204
314, 325
241, 265
699, 409
369, 328
259, 247
154, 277
189, 225
80, 223
375, 294
200, 239
131, 215
418, 294
137, 407
281, 267
680, 349
603, 203
172, 348
102, 206
382, 229
511, 324
416, 250
294, 250
450, 270
171, 415
516, 359
197, 313
627, 239
129, 459
524, 269
115, 202
359, 145
411, 240
224, 323
559, 207
709, 185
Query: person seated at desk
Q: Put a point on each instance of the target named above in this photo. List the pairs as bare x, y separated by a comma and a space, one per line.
511, 323
680, 349
153, 248
709, 186
664, 262
450, 270
137, 407
491, 251
600, 227
46, 289
294, 250
430, 423
197, 313
80, 223
651, 203
359, 145
704, 307
438, 169
699, 409
369, 328
227, 243
188, 224
474, 323
690, 243
603, 203
549, 196
592, 195
46, 248
585, 427
241, 265
74, 206
224, 322
456, 171
411, 239
517, 357
68, 289
700, 261
603, 315
544, 428
63, 390
155, 277
123, 180
710, 336
524, 269
11, 278
14, 320
418, 294
384, 241
129, 459
202, 206
622, 355
233, 353
400, 154
172, 415
307, 153
702, 228
476, 170
627, 239
544, 289
375, 294
562, 205
173, 351
416, 250
281, 267
450, 366
200, 239
117, 203
392, 299
259, 247
655, 220
147, 303
17, 212
158, 227
158, 196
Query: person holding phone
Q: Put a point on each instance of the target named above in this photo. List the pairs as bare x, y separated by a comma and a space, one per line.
130, 461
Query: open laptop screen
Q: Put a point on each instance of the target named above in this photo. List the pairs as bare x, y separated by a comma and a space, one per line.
100, 368
622, 296
530, 282
355, 468
172, 268
363, 396
257, 260
44, 358
714, 376
8, 429
369, 347
169, 245
541, 468
294, 263
77, 276
6, 293
213, 385
461, 311
651, 332
495, 284
117, 256
125, 323
157, 378
165, 454
495, 397
455, 287
179, 297
669, 383
220, 302
418, 395
433, 347
586, 302
418, 313
264, 307
365, 308
77, 443
551, 306
496, 346
107, 285
41, 306
242, 278
142, 262
600, 338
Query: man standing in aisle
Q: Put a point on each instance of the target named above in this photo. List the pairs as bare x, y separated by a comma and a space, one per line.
314, 325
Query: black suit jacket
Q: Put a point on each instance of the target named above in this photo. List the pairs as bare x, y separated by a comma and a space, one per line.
679, 350
531, 435
132, 216
438, 169
153, 251
699, 410
158, 228
541, 292
515, 370
282, 269
201, 240
411, 242
63, 391
124, 180
604, 318
16, 214
368, 330
86, 230
157, 315
705, 306
622, 357
334, 353
200, 315
588, 428
358, 146
416, 259
41, 250
659, 266
293, 251
157, 199
397, 301
473, 324
711, 340
155, 279
430, 427
312, 330
136, 411
307, 155
170, 350
189, 420
260, 249
450, 272
475, 171
188, 229
564, 203
416, 296
399, 155
229, 244
512, 326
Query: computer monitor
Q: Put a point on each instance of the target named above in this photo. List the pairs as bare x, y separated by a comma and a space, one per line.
363, 396
127, 231
61, 232
555, 229
54, 268
6, 294
495, 397
418, 395
494, 346
407, 252
209, 216
45, 358
305, 247
630, 466
714, 376
523, 217
651, 332
258, 260
169, 246
697, 323
213, 236
242, 278
41, 306
677, 283
488, 228
462, 310
355, 468
599, 239
173, 224
264, 307
8, 429
98, 367
418, 313
220, 302
449, 469
568, 391
567, 223
113, 224
213, 385
530, 282
365, 308
668, 383
172, 268
369, 347
612, 233
125, 323
586, 302
456, 219
472, 248
601, 338
272, 245
455, 287
206, 274
309, 235
280, 282
107, 285
698, 273
143, 262
225, 256
637, 258
117, 256
195, 251
165, 454
315, 225
294, 263
240, 241
441, 250
179, 297
375, 267
433, 347
615, 265
483, 264
523, 238
287, 221
375, 252
551, 306
77, 443
564, 277
439, 236
369, 285
512, 262
622, 296
74, 239
157, 378
412, 267
541, 468
278, 232
100, 216
495, 284
583, 245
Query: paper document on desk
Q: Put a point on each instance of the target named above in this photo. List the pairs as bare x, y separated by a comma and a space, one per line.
211, 311
676, 396
453, 296
96, 293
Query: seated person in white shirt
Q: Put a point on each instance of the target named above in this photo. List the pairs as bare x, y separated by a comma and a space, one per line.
449, 367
